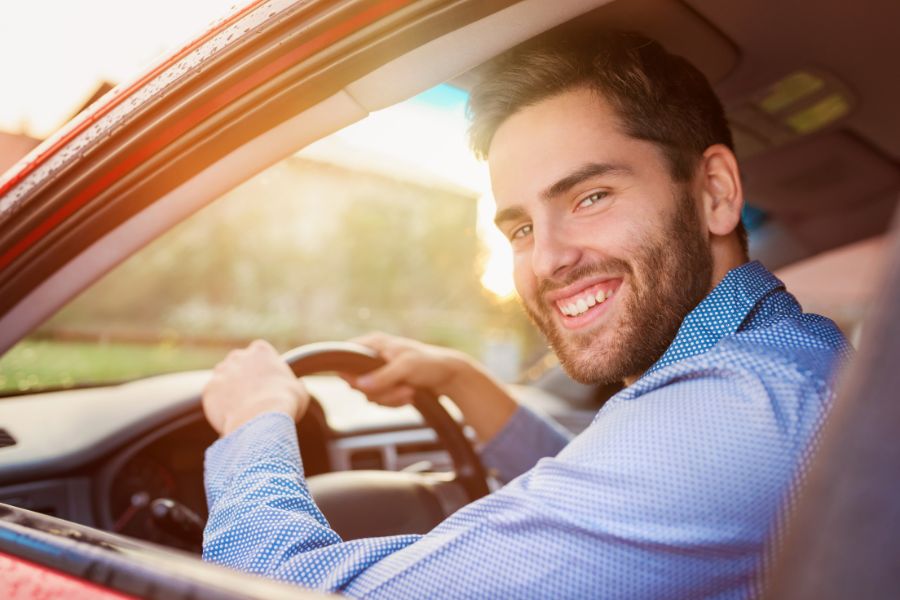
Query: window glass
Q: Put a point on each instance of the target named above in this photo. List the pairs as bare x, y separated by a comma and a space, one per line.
382, 226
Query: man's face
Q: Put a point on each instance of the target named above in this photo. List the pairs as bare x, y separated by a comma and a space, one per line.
609, 252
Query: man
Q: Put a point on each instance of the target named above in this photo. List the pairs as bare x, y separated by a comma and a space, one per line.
616, 184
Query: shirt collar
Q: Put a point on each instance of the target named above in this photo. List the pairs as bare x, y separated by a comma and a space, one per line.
721, 313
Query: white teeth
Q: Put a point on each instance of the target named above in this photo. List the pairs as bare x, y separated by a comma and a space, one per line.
584, 303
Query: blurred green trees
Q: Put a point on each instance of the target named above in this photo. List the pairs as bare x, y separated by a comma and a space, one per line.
305, 251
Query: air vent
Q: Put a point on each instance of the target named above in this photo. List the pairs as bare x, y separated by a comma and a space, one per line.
6, 439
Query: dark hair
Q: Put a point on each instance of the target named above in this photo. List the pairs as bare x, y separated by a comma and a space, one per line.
659, 97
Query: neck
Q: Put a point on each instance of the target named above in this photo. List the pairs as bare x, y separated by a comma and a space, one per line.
727, 254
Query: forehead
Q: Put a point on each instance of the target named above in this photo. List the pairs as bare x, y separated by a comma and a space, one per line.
543, 143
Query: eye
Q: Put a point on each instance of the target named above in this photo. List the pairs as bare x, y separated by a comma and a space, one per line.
520, 232
591, 199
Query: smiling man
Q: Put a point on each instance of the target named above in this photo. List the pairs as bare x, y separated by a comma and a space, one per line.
616, 184
610, 253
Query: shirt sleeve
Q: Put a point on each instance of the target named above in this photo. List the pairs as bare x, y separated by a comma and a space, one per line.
262, 518
672, 494
525, 438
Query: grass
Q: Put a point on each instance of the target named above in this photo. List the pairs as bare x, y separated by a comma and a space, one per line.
38, 364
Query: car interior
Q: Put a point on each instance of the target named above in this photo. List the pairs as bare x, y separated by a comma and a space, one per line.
809, 94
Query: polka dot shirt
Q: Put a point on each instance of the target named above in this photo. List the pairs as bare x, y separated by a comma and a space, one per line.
676, 490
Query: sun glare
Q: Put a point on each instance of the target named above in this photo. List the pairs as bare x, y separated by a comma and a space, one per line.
56, 52
421, 140
497, 269
424, 140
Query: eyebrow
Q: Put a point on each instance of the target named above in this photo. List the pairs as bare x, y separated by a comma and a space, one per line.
513, 213
582, 173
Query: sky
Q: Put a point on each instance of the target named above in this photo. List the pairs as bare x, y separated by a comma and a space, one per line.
57, 52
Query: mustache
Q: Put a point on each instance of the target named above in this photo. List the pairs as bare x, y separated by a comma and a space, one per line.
603, 267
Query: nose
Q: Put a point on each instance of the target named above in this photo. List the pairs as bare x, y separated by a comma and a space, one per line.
553, 253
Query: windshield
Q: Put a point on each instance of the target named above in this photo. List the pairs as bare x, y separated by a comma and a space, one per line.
385, 225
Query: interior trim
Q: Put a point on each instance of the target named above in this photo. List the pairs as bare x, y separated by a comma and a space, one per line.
452, 54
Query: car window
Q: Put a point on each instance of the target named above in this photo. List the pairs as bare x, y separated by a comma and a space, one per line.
384, 225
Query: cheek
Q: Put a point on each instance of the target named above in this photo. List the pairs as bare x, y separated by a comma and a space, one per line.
606, 238
629, 234
523, 275
630, 240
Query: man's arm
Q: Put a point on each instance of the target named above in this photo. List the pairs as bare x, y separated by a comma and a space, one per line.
514, 437
255, 380
669, 494
262, 518
248, 383
485, 405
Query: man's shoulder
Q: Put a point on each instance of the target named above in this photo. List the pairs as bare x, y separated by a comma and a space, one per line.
789, 365
787, 359
804, 342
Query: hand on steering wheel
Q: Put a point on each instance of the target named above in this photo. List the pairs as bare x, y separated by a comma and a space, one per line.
248, 383
394, 502
409, 365
355, 359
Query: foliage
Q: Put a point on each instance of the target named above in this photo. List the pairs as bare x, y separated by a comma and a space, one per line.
35, 364
303, 252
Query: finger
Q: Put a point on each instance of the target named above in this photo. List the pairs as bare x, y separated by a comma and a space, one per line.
263, 347
301, 391
397, 396
375, 340
234, 355
390, 375
350, 378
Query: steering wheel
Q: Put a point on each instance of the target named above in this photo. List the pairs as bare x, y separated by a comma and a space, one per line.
374, 503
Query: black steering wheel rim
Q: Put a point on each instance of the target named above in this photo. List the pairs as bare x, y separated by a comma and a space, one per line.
357, 359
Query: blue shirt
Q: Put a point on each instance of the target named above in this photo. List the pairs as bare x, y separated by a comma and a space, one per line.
674, 491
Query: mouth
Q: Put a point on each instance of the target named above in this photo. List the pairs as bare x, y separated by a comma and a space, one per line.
587, 304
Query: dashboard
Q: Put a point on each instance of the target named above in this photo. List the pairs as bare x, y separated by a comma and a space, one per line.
167, 464
101, 456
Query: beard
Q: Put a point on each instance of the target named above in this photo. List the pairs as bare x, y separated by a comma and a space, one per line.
668, 278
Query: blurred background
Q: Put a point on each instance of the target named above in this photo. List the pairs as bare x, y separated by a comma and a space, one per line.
385, 225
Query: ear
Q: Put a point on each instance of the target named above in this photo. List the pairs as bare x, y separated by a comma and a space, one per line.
719, 182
